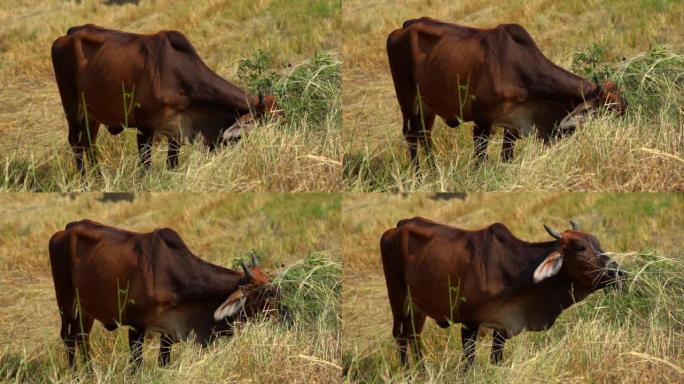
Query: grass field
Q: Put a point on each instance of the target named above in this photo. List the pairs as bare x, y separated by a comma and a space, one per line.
632, 336
643, 151
289, 229
294, 41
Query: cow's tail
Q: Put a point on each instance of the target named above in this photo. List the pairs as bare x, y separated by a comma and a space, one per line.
60, 263
391, 250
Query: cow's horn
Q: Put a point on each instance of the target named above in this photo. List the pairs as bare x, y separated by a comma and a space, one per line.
261, 99
553, 233
599, 88
255, 262
574, 225
247, 271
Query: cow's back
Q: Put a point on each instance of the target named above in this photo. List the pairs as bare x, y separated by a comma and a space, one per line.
443, 266
440, 61
103, 266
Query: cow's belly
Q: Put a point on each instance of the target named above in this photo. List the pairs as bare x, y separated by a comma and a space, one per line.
178, 126
170, 322
518, 119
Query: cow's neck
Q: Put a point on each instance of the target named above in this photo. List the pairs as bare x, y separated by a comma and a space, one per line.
552, 82
206, 281
539, 304
211, 91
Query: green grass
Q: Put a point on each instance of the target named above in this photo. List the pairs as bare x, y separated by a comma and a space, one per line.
290, 233
300, 152
630, 336
637, 44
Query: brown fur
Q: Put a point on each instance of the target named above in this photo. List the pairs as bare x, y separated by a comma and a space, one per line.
483, 278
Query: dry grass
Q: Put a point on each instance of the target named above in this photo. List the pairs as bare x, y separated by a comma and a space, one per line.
290, 155
292, 229
633, 336
642, 152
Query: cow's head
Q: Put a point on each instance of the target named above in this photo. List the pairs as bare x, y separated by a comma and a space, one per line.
256, 296
579, 257
606, 94
266, 107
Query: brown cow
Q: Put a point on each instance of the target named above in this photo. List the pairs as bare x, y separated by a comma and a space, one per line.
486, 278
494, 77
150, 282
156, 83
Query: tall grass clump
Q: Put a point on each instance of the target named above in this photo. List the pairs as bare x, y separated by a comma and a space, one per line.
652, 82
309, 91
312, 289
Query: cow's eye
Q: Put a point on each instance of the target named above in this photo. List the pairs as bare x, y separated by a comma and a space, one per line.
580, 247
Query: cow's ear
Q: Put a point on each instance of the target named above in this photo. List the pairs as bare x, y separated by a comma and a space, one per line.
549, 267
232, 306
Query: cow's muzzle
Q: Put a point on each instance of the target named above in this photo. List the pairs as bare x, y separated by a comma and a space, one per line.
615, 276
579, 115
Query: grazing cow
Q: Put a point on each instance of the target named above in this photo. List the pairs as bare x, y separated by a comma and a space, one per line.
486, 278
156, 83
494, 77
150, 282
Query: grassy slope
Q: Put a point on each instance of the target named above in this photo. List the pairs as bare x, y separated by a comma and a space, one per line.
295, 155
292, 229
633, 336
645, 151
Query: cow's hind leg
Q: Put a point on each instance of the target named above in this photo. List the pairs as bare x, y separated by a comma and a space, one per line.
498, 341
82, 137
406, 331
468, 339
68, 335
509, 138
417, 130
76, 331
85, 326
425, 137
411, 141
165, 343
136, 337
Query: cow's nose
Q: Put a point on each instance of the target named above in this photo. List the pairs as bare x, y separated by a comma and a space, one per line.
616, 274
286, 316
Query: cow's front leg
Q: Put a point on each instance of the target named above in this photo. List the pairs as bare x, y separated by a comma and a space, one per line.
136, 337
165, 343
174, 148
145, 149
498, 341
481, 133
468, 339
509, 139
